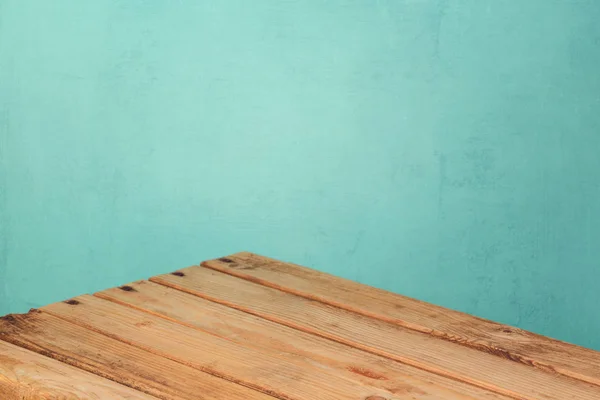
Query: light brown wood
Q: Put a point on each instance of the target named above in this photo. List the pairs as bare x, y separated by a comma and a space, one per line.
249, 330
250, 327
25, 375
502, 340
379, 337
141, 370
277, 374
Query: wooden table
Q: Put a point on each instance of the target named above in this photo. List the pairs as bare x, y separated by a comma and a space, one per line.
246, 327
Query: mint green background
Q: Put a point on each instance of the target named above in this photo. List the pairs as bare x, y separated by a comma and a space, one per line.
446, 150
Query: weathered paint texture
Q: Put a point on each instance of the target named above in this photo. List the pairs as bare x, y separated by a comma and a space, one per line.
446, 150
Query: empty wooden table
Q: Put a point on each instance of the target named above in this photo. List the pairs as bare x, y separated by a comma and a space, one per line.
246, 327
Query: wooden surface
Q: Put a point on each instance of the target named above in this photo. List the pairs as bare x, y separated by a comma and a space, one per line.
250, 327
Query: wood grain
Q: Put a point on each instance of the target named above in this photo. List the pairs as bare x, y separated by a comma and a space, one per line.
277, 374
25, 375
502, 340
141, 370
250, 327
379, 337
244, 328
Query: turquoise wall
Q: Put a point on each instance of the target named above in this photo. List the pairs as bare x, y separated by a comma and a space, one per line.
447, 150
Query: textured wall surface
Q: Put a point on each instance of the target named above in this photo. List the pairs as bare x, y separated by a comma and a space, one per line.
446, 150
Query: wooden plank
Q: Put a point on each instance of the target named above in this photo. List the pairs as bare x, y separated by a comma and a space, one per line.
379, 337
277, 374
25, 375
502, 340
250, 330
141, 370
